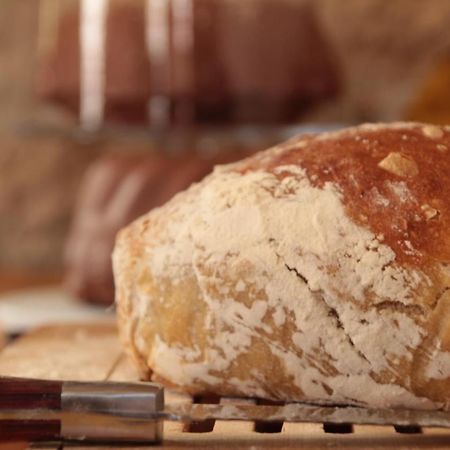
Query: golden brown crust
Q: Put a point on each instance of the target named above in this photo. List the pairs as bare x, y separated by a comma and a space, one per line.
317, 270
352, 158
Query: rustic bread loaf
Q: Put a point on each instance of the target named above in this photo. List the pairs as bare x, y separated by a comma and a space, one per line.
315, 271
116, 189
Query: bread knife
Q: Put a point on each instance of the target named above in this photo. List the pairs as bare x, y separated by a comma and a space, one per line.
41, 410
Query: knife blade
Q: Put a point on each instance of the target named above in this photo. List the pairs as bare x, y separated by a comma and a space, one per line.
134, 412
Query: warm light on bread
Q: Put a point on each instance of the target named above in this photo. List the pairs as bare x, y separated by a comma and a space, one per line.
317, 270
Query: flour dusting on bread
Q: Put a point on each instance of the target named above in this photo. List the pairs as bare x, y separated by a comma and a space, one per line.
262, 280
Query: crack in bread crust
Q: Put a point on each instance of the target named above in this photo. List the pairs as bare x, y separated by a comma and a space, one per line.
332, 313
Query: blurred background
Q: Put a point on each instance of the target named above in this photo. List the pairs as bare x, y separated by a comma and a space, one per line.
110, 107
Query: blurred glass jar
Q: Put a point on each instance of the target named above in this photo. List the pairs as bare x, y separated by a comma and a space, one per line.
164, 62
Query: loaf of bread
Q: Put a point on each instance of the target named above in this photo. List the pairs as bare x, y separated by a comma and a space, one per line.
116, 189
318, 270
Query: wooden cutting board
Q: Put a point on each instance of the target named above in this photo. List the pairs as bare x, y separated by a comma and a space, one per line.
92, 352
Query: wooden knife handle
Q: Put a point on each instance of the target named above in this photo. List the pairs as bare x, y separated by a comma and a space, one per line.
29, 395
29, 430
22, 393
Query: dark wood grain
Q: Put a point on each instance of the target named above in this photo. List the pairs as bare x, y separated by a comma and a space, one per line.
21, 393
29, 430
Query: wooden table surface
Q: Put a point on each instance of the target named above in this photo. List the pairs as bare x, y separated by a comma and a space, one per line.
12, 280
92, 352
15, 280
